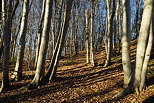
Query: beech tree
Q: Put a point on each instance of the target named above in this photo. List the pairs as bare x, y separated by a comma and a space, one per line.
43, 46
60, 41
7, 22
110, 22
144, 46
39, 34
18, 68
135, 79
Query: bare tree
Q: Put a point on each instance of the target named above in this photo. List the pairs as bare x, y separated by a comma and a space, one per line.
60, 42
7, 23
43, 46
128, 83
143, 46
23, 27
126, 42
135, 79
110, 21
39, 34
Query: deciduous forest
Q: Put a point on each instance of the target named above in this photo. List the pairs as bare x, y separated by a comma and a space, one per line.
76, 51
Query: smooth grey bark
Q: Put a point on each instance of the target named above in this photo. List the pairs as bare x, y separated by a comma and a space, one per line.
87, 38
60, 42
126, 61
43, 46
126, 42
146, 59
7, 23
91, 34
23, 27
39, 35
110, 32
142, 43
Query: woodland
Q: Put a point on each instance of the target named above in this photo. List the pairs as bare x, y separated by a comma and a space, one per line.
76, 51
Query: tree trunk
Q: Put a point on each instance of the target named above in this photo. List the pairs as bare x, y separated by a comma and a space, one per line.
1, 46
39, 34
91, 35
0, 9
7, 23
60, 43
128, 72
110, 31
43, 46
87, 38
18, 68
146, 59
126, 42
142, 43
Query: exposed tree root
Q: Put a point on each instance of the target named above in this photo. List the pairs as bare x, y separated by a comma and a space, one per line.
124, 92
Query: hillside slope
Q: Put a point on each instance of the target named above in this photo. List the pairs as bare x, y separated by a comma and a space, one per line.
78, 82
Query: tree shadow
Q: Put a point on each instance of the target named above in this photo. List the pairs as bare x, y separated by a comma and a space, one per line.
64, 83
89, 96
149, 100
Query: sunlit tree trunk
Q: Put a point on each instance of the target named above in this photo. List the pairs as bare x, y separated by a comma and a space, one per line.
60, 42
23, 27
87, 38
43, 46
91, 34
143, 49
126, 42
146, 59
39, 35
110, 19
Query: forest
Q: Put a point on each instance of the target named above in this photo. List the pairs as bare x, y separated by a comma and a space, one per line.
76, 51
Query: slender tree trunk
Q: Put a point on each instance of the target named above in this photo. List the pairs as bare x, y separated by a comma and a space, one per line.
91, 35
0, 9
1, 46
43, 46
60, 42
39, 35
110, 32
87, 38
18, 68
142, 43
7, 23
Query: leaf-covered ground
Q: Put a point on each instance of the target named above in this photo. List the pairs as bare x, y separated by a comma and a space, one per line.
78, 82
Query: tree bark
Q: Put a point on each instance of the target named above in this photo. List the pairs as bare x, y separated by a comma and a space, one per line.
60, 43
146, 59
91, 35
39, 34
142, 42
87, 38
7, 23
43, 46
126, 42
18, 68
110, 32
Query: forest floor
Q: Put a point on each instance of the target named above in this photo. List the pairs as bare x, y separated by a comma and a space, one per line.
78, 82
